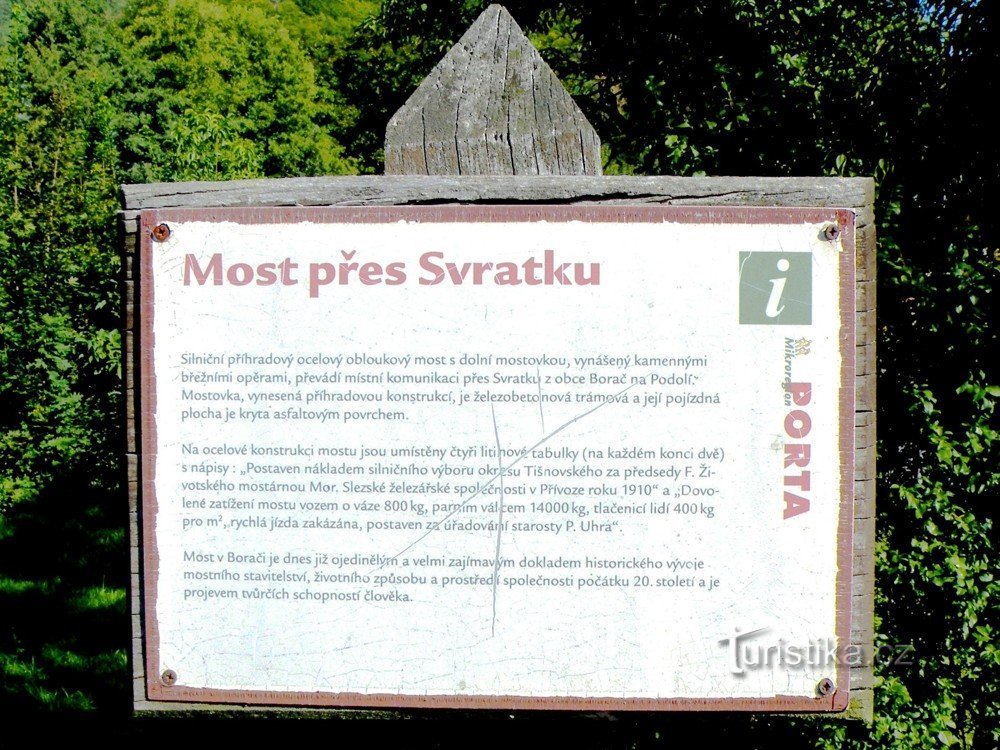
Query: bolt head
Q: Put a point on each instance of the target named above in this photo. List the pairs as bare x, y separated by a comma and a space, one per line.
169, 677
161, 232
825, 687
831, 232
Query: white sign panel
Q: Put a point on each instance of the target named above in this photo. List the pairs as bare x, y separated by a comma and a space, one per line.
568, 457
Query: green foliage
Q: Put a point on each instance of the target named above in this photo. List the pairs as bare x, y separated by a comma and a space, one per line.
93, 94
60, 385
57, 194
938, 393
89, 99
207, 74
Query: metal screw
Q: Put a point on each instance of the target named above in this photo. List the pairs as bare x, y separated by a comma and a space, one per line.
169, 677
831, 232
825, 687
161, 232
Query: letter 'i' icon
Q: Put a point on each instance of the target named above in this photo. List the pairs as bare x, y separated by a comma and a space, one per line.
775, 288
774, 307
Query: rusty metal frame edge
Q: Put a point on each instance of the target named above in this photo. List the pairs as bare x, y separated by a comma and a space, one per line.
182, 698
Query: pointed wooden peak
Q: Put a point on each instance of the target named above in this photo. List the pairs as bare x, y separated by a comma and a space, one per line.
492, 106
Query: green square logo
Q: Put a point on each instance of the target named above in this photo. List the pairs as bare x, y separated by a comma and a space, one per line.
776, 289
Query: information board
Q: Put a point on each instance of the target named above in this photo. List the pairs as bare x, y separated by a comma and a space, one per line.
510, 457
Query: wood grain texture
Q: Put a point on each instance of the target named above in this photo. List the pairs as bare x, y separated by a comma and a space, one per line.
864, 499
861, 360
850, 192
862, 705
865, 255
129, 241
491, 106
864, 393
866, 296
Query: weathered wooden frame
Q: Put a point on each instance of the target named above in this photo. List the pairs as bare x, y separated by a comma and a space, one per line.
851, 193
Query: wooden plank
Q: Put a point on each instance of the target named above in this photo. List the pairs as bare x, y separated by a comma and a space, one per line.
128, 295
864, 536
863, 607
129, 359
865, 253
129, 242
861, 632
864, 360
866, 331
491, 106
864, 437
861, 678
137, 656
862, 560
128, 222
851, 192
131, 412
863, 638
865, 296
864, 498
862, 583
864, 463
864, 392
862, 705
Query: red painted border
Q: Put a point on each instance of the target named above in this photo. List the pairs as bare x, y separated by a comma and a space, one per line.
845, 218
